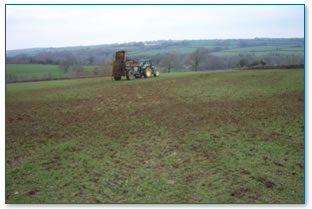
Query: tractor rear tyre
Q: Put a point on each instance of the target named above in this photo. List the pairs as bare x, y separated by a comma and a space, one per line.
147, 72
157, 73
130, 75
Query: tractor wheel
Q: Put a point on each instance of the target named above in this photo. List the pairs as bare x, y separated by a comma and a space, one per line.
147, 72
117, 78
130, 75
157, 73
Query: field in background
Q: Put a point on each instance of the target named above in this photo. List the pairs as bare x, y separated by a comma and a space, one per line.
15, 72
226, 136
35, 64
230, 47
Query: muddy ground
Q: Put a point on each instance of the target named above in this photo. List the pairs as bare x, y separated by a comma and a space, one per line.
214, 137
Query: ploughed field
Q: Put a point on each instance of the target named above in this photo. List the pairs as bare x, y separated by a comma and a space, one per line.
207, 137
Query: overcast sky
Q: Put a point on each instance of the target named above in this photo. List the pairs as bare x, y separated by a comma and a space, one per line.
32, 26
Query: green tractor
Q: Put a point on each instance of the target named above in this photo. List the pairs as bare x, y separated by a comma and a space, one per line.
131, 68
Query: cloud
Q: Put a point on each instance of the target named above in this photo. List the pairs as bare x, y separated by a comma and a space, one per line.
30, 26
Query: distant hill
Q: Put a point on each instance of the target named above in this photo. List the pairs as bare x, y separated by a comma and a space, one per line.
229, 47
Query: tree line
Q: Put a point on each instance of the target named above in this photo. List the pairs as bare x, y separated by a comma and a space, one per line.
201, 59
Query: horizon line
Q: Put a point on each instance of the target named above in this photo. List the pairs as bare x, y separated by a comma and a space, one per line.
73, 46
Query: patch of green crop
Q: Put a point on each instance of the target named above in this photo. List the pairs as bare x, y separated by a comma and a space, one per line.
40, 71
237, 84
33, 69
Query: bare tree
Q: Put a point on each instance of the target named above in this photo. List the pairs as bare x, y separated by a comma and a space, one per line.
196, 58
170, 61
90, 60
67, 64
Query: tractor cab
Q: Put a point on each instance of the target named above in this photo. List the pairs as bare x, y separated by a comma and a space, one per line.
146, 63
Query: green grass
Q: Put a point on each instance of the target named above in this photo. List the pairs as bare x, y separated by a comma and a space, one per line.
213, 137
234, 84
38, 71
28, 70
91, 67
